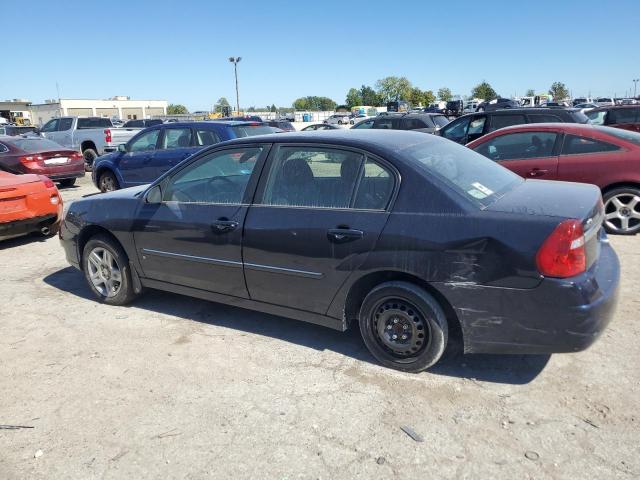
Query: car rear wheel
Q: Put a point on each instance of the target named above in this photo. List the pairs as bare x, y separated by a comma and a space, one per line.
622, 211
403, 326
108, 182
90, 156
68, 182
106, 268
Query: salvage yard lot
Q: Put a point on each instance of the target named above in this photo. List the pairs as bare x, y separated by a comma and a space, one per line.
176, 387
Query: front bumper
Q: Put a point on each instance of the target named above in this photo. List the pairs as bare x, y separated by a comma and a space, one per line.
560, 315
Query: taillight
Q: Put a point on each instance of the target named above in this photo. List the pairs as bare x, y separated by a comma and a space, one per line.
107, 135
30, 161
47, 181
563, 253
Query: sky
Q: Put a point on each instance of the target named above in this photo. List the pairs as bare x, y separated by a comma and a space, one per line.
178, 50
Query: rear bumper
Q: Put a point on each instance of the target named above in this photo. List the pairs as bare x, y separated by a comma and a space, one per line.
66, 175
28, 225
560, 315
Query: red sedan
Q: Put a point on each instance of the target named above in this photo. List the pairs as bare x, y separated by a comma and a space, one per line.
604, 156
31, 154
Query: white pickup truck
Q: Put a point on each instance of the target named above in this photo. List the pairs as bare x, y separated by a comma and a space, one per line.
93, 136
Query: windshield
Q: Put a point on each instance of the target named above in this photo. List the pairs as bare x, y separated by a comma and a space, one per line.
34, 145
440, 120
251, 130
465, 171
626, 135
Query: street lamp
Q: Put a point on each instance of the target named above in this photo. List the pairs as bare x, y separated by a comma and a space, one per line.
235, 61
635, 84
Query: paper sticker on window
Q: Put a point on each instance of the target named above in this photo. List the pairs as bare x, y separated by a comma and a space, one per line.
476, 194
483, 189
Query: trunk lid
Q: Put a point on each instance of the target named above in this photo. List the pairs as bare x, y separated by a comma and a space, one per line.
561, 200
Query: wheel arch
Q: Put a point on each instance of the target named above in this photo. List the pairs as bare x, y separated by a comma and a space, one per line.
90, 231
361, 287
613, 186
88, 144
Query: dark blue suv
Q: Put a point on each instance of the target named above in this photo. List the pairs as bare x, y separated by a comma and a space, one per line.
157, 149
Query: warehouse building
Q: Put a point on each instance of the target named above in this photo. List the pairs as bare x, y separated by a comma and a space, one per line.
16, 111
116, 107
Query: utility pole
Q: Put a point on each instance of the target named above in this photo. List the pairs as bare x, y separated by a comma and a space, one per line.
635, 84
235, 61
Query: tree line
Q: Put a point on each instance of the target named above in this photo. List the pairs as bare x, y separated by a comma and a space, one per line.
386, 89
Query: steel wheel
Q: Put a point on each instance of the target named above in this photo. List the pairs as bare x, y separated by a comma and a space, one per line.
622, 213
104, 272
400, 328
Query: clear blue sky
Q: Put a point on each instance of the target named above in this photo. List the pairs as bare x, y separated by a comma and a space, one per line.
178, 50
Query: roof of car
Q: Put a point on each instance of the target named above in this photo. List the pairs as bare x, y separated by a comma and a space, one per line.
507, 111
381, 142
613, 107
232, 123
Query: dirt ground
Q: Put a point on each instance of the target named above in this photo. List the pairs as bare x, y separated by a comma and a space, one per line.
174, 387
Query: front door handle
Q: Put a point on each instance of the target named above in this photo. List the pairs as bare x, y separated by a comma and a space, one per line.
223, 226
343, 235
537, 172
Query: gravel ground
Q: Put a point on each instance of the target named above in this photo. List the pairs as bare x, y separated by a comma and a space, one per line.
175, 387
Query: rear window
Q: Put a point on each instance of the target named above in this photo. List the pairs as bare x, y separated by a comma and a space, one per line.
34, 145
465, 171
626, 135
85, 123
440, 120
241, 131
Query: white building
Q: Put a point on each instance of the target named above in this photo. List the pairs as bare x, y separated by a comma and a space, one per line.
116, 107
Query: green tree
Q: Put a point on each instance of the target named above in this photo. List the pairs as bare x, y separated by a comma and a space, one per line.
530, 93
273, 108
393, 88
444, 94
558, 91
370, 97
314, 103
176, 109
484, 91
428, 97
353, 98
222, 102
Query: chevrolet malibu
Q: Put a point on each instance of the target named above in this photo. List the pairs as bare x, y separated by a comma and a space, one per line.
411, 236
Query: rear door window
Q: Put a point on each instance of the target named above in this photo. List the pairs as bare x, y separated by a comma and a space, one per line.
384, 123
575, 145
413, 124
207, 137
501, 121
176, 138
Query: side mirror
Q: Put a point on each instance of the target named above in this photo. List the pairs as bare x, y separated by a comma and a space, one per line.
154, 195
122, 147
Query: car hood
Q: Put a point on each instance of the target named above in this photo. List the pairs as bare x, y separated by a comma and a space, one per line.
550, 198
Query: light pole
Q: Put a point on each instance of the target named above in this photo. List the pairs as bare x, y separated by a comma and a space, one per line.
235, 61
635, 84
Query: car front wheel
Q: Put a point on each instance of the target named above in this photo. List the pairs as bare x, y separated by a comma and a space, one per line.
622, 211
108, 182
106, 268
403, 326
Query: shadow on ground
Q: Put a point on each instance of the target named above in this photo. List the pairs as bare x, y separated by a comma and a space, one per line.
509, 369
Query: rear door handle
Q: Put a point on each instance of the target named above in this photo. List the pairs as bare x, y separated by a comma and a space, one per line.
343, 235
224, 226
537, 172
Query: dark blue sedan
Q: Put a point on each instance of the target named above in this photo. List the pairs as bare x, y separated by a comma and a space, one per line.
413, 237
157, 149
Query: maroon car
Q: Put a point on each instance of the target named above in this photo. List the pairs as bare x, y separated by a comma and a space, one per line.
624, 116
22, 154
604, 156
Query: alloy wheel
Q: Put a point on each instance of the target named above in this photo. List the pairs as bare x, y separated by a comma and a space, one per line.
400, 328
622, 213
104, 272
107, 184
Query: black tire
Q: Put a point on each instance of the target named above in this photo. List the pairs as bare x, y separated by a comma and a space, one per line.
625, 211
90, 156
385, 312
68, 182
108, 182
122, 292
